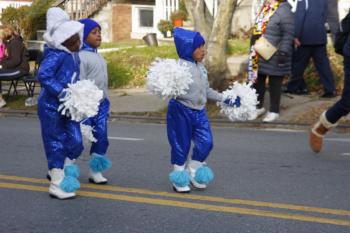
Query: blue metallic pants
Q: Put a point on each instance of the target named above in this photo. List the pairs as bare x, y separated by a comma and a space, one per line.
61, 136
99, 124
183, 125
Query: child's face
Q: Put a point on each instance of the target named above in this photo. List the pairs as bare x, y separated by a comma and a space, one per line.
94, 37
73, 43
198, 54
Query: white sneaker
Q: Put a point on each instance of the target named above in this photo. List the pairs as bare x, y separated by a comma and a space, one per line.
97, 178
258, 112
271, 116
192, 168
178, 189
2, 103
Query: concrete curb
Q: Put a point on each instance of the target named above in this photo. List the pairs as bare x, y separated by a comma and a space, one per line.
143, 118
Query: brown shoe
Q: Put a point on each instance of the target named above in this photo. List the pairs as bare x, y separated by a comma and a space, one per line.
317, 132
316, 135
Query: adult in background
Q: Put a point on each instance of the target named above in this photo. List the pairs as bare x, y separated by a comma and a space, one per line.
311, 42
275, 22
16, 57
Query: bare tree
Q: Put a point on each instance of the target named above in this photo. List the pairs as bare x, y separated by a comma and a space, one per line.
202, 19
217, 32
217, 43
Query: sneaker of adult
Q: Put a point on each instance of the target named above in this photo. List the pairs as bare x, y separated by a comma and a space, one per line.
2, 103
258, 113
271, 116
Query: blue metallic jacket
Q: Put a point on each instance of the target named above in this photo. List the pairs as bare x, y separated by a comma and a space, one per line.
56, 71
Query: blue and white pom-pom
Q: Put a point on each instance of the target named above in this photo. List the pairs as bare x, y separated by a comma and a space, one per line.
87, 132
248, 99
81, 100
168, 78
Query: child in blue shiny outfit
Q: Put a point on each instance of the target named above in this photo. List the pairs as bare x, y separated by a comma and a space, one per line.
94, 67
187, 118
61, 136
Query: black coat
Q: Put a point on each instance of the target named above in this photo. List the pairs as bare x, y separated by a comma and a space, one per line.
17, 55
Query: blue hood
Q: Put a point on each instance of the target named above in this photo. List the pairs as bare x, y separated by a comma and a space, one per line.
187, 42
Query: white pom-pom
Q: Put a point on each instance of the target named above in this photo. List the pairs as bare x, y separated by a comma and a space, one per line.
86, 131
248, 101
81, 100
168, 78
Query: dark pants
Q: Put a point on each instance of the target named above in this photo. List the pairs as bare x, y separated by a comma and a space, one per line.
275, 84
301, 58
342, 107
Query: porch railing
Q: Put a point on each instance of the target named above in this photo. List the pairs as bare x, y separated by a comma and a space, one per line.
78, 9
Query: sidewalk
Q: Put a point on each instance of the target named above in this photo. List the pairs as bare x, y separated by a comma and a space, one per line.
295, 109
139, 104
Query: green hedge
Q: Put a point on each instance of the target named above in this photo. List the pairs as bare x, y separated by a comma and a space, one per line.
128, 67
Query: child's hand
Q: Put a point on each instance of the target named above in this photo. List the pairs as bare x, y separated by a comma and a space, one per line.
236, 103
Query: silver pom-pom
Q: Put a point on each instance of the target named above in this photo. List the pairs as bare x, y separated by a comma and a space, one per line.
81, 100
246, 108
87, 132
169, 78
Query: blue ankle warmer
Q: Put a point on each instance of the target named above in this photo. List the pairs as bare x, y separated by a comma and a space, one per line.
99, 163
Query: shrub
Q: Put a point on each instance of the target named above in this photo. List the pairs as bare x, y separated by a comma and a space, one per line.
164, 26
128, 67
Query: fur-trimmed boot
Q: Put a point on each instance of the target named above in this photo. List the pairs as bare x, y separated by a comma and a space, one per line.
98, 164
317, 132
62, 187
180, 179
200, 174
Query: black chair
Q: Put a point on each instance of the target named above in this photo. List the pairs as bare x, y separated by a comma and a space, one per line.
13, 79
30, 80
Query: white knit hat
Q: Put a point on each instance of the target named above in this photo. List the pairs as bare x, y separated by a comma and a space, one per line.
59, 28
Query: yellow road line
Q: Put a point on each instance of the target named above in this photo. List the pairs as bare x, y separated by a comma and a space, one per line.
194, 197
189, 205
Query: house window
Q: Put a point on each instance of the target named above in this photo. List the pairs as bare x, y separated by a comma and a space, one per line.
146, 17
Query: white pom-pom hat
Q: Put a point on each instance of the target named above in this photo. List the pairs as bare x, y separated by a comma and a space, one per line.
59, 28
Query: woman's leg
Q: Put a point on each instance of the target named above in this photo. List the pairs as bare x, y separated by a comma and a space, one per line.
260, 87
275, 84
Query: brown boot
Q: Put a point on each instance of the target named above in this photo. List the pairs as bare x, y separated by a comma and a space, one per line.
317, 132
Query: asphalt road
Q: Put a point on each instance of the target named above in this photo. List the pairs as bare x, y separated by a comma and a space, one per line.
265, 181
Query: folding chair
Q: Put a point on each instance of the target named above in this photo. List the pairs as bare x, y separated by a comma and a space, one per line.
13, 79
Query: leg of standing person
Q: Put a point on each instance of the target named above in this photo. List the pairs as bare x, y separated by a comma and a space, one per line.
99, 161
275, 84
260, 87
200, 174
179, 130
300, 60
323, 68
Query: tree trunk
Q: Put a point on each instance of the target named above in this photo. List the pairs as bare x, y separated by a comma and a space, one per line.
215, 61
202, 19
